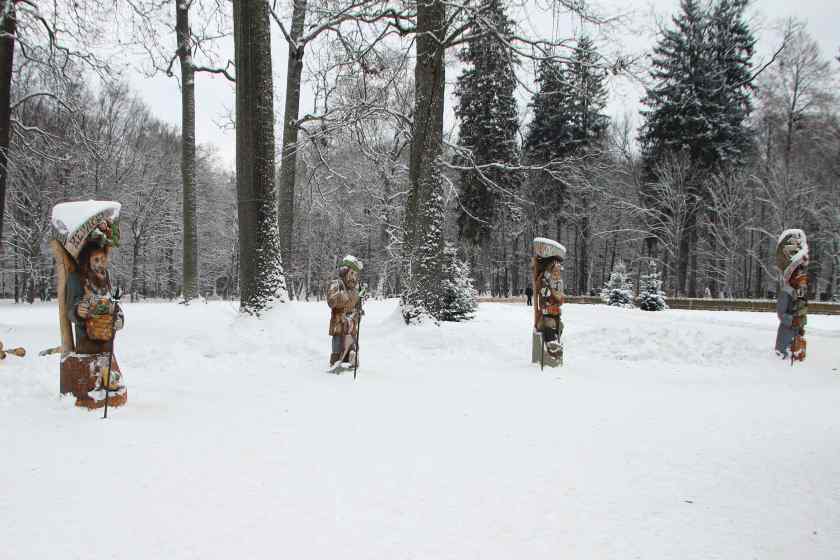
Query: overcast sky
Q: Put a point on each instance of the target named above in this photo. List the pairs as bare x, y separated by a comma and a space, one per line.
215, 96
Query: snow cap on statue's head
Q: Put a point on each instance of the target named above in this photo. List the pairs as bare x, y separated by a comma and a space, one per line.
351, 262
791, 252
545, 248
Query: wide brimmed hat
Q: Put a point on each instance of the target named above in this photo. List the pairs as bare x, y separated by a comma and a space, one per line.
351, 262
75, 224
547, 248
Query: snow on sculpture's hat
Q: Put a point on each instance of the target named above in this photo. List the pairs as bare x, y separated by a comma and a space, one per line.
791, 251
76, 223
351, 262
545, 248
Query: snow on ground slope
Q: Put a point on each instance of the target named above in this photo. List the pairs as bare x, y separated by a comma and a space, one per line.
667, 435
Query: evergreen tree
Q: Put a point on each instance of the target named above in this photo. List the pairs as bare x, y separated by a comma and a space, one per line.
548, 133
732, 47
489, 122
699, 103
702, 82
460, 300
569, 123
441, 287
651, 296
568, 107
618, 291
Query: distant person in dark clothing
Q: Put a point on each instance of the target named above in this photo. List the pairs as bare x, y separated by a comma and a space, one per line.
529, 291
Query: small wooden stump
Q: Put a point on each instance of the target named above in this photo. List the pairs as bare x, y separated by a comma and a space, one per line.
81, 375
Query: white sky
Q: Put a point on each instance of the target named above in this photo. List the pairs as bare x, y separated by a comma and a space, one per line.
215, 95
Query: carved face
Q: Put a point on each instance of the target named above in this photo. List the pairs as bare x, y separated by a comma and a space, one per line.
99, 264
352, 277
556, 272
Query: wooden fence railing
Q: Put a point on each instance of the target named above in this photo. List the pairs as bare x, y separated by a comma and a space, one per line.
815, 307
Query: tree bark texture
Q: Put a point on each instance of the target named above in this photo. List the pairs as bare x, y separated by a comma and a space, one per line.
288, 163
7, 53
429, 85
260, 265
190, 236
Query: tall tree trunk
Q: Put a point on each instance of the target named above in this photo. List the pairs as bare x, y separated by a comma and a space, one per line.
693, 248
429, 85
684, 254
835, 273
7, 53
424, 214
261, 278
135, 270
288, 163
171, 283
182, 28
760, 256
585, 242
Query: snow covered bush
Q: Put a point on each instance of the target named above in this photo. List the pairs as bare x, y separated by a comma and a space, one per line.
651, 296
451, 298
618, 291
459, 299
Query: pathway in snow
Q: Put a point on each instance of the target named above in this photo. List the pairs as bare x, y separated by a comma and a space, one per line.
667, 435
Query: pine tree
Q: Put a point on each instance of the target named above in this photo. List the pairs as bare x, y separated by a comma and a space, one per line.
441, 287
460, 300
733, 45
701, 96
698, 104
618, 291
569, 122
700, 99
489, 122
651, 296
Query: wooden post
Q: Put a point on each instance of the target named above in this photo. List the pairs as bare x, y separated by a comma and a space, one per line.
64, 265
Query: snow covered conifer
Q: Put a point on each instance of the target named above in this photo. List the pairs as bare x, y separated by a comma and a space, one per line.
701, 93
458, 296
489, 121
618, 290
441, 287
651, 296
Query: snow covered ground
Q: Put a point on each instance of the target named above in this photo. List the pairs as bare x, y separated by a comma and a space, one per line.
673, 435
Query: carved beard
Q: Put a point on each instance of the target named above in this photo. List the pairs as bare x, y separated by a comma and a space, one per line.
99, 277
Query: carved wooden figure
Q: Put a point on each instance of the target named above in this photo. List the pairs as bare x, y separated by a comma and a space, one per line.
547, 268
83, 235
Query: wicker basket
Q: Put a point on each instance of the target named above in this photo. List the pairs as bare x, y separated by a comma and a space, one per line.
99, 327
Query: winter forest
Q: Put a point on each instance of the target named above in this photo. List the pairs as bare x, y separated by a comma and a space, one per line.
344, 147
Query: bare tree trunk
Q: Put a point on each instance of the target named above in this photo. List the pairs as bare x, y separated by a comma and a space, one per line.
423, 244
429, 84
692, 278
7, 53
585, 242
190, 240
288, 163
760, 256
261, 279
135, 270
835, 273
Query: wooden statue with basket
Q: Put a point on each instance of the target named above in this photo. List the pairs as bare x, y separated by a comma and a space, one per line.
792, 255
84, 233
547, 268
